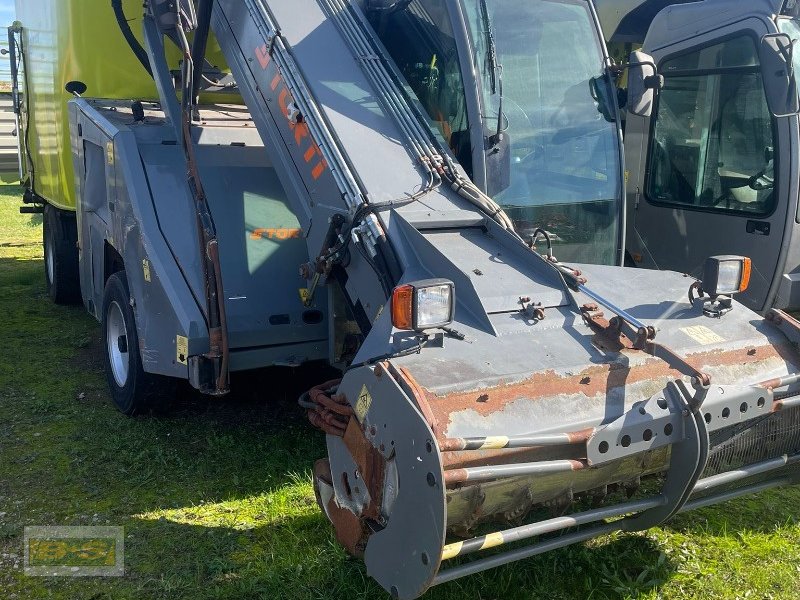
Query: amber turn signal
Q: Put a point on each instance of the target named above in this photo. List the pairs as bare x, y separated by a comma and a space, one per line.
403, 307
746, 269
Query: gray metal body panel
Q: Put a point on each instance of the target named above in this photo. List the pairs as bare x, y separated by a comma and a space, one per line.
340, 90
133, 197
629, 21
510, 374
680, 238
563, 346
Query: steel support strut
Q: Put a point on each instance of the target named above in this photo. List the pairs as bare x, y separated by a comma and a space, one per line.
455, 476
593, 516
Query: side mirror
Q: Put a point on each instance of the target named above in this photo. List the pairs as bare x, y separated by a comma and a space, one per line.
76, 88
776, 54
643, 81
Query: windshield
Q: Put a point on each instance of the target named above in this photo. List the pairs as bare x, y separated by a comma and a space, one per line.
791, 27
565, 169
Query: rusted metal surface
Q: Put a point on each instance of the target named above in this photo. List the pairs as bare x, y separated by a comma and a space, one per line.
611, 336
351, 532
594, 381
785, 403
371, 467
786, 323
677, 362
780, 382
407, 381
502, 468
224, 343
590, 387
606, 337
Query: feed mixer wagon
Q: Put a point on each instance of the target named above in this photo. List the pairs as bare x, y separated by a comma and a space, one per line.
428, 194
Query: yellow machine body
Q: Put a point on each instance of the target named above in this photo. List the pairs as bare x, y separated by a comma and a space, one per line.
74, 40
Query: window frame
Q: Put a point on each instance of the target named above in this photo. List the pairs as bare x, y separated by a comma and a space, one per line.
405, 82
646, 183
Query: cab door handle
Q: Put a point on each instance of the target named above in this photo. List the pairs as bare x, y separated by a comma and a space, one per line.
758, 227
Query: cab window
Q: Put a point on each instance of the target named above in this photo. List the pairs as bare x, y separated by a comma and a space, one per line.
712, 140
419, 38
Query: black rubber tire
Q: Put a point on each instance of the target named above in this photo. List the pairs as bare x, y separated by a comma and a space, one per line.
141, 392
60, 239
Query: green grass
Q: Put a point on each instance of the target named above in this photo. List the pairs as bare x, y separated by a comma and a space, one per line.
216, 499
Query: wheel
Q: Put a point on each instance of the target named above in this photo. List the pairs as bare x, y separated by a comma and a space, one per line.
132, 389
60, 238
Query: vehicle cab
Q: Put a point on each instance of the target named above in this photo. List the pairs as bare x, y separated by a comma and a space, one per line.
520, 93
713, 167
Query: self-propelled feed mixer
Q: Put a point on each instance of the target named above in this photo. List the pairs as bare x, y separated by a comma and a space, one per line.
454, 168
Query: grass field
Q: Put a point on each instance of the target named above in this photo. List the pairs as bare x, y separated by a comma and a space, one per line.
216, 499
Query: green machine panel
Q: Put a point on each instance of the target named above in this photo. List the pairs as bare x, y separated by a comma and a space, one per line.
75, 40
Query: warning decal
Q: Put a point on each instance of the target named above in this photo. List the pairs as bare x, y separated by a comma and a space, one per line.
363, 403
182, 350
702, 335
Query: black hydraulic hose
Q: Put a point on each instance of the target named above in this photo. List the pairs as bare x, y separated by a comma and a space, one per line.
406, 114
204, 8
127, 33
539, 231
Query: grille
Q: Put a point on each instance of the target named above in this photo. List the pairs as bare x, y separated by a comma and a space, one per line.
770, 437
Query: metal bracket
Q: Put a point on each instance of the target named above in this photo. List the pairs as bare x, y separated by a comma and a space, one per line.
728, 405
788, 325
687, 462
618, 334
271, 36
660, 421
649, 425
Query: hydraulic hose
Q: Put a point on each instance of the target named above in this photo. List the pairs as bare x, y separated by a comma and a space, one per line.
127, 33
207, 234
433, 157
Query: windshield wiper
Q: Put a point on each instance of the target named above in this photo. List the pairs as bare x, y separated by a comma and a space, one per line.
496, 75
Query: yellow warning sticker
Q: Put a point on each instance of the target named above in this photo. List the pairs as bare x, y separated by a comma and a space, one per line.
110, 153
492, 540
702, 335
363, 403
182, 350
146, 270
494, 442
451, 550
